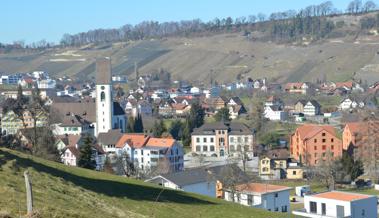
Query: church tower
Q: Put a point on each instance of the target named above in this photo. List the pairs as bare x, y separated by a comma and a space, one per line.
104, 98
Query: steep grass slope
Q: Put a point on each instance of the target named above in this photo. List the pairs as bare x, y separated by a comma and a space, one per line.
61, 191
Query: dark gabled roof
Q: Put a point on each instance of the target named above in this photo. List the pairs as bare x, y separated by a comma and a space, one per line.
237, 100
233, 128
302, 101
109, 138
103, 71
205, 174
117, 109
85, 109
314, 103
74, 120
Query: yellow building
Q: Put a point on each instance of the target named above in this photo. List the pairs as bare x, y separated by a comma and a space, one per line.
295, 172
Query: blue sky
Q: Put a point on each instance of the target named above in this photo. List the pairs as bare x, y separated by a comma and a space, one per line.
33, 20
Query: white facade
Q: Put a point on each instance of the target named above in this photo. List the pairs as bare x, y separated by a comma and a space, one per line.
68, 158
311, 110
342, 205
271, 114
239, 142
207, 188
205, 144
104, 108
350, 104
273, 201
46, 84
147, 157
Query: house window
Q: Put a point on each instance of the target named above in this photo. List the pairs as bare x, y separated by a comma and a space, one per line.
205, 148
232, 139
323, 134
294, 172
205, 140
315, 147
212, 148
313, 207
102, 96
323, 209
250, 200
212, 140
315, 140
239, 139
332, 147
324, 140
315, 154
332, 140
198, 139
276, 195
324, 147
198, 148
284, 209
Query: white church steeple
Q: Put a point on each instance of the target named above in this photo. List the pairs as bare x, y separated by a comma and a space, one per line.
104, 98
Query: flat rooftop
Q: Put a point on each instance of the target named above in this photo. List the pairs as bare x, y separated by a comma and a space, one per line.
341, 196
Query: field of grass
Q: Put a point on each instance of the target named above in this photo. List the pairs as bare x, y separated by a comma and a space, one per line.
62, 191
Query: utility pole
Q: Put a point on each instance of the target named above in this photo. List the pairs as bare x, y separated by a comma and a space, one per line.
29, 194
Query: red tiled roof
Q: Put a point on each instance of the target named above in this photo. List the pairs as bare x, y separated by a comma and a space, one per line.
348, 84
160, 142
134, 140
261, 188
308, 131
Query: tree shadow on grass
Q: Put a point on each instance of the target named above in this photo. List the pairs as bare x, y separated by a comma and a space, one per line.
108, 187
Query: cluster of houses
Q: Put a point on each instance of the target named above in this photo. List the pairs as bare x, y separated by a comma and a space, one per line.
98, 112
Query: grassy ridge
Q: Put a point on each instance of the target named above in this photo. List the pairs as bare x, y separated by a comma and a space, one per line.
62, 191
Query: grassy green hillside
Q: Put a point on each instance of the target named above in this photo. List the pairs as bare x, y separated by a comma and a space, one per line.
62, 191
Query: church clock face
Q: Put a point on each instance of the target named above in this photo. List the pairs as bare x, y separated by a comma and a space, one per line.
102, 87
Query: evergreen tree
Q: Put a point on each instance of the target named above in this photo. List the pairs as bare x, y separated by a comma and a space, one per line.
222, 115
130, 125
196, 116
176, 129
138, 124
186, 135
158, 128
85, 157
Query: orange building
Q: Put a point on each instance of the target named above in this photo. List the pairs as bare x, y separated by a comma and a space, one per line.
350, 134
310, 143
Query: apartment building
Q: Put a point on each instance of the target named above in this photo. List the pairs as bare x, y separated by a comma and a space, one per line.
311, 143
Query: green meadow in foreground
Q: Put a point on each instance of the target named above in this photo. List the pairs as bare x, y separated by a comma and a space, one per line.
63, 191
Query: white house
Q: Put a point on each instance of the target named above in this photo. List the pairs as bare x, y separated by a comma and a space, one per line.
197, 180
147, 152
312, 108
195, 90
265, 196
46, 84
275, 113
338, 204
349, 103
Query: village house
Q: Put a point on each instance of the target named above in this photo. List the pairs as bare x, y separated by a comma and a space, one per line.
312, 108
203, 180
335, 204
11, 122
273, 164
222, 139
70, 154
269, 197
275, 113
350, 103
108, 140
311, 143
148, 153
73, 124
294, 171
298, 88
